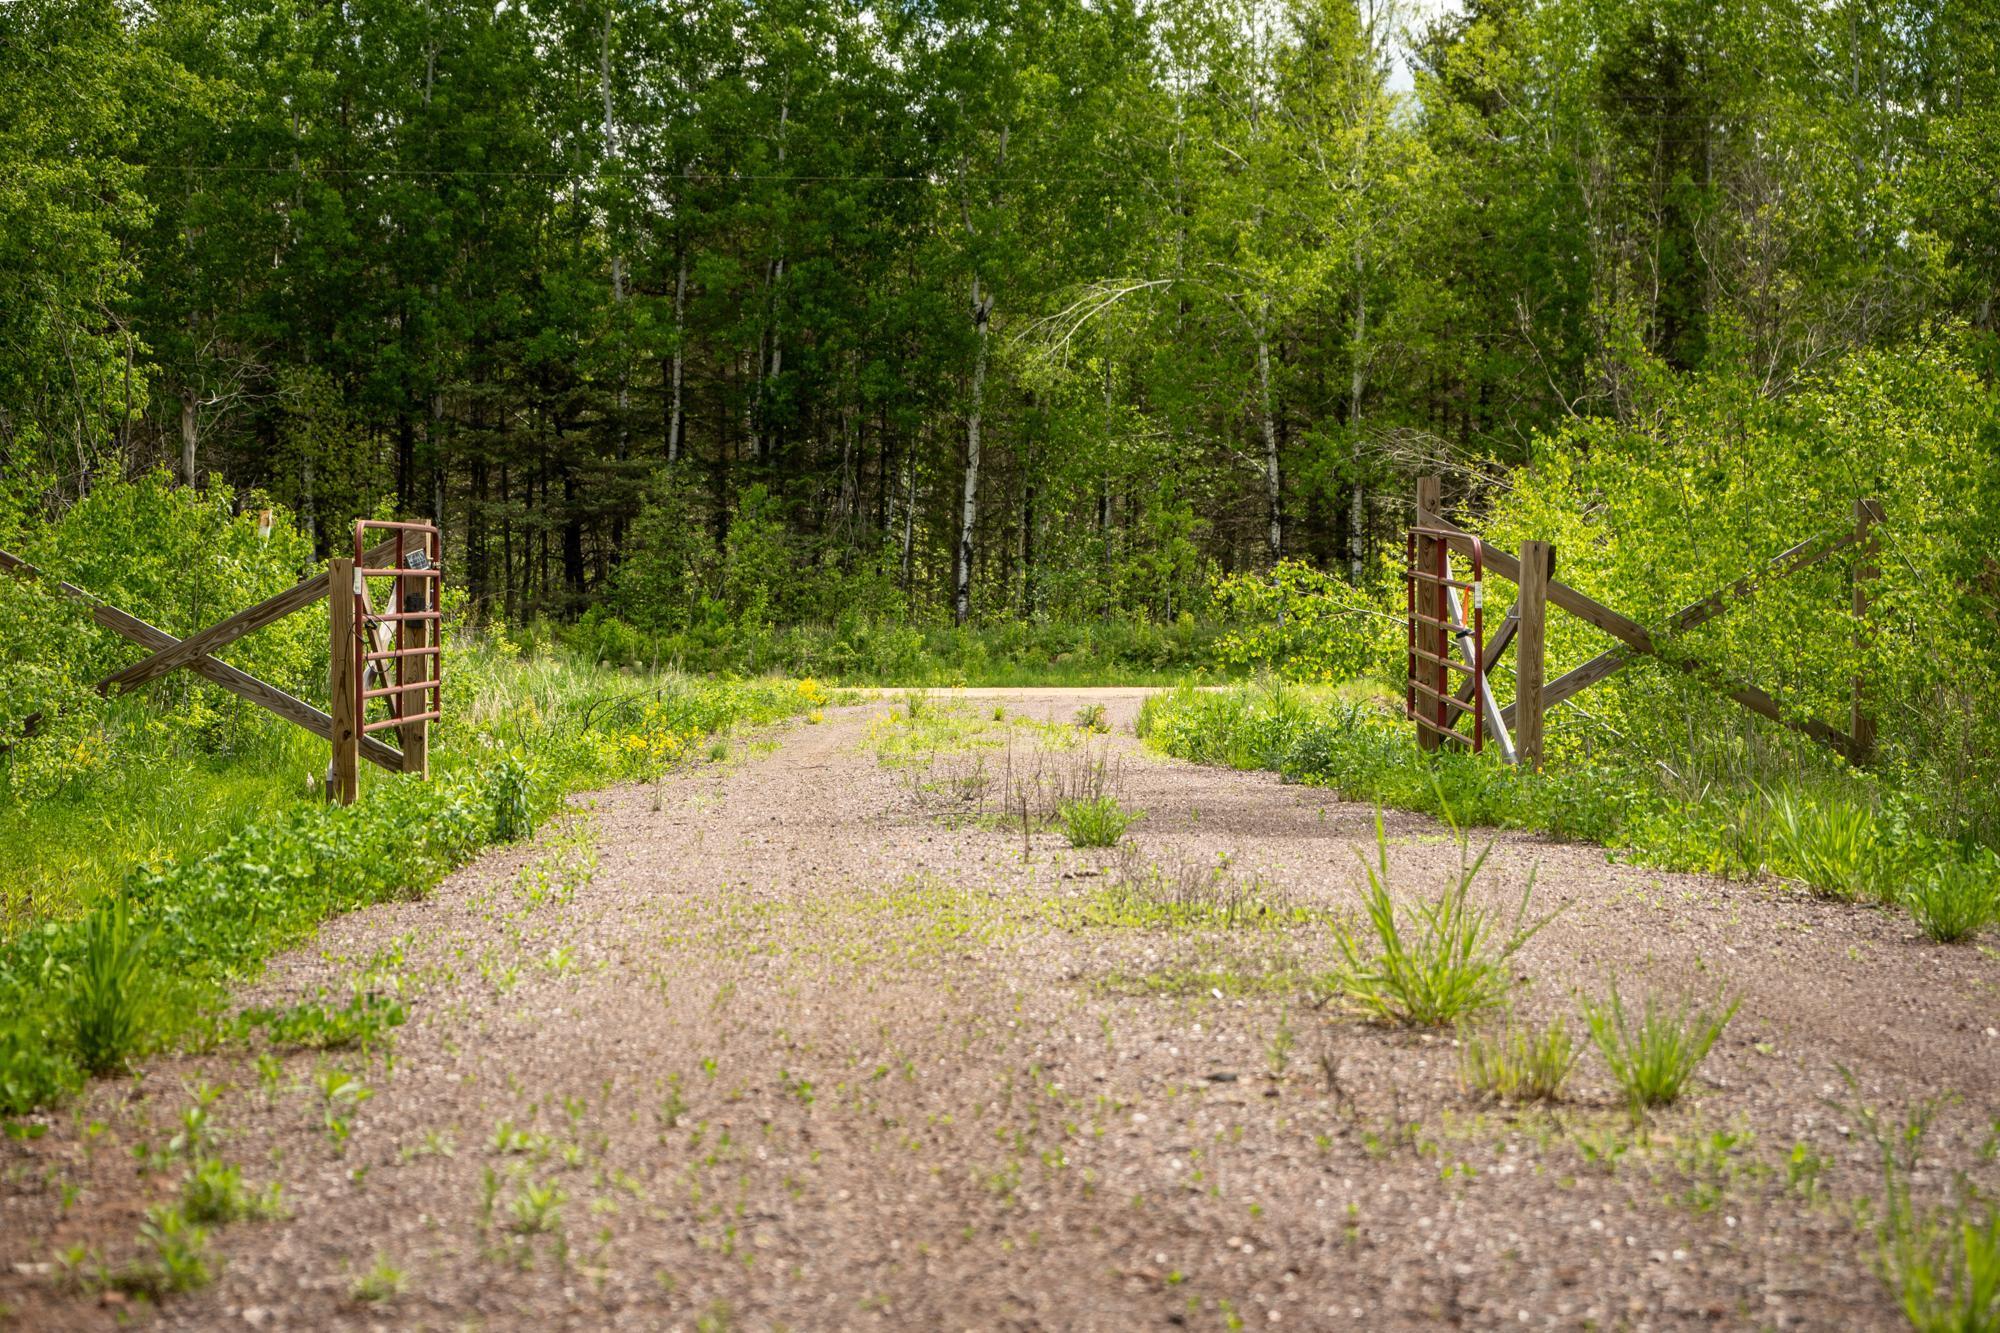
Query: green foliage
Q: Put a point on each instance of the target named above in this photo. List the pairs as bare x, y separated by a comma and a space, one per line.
1832, 847
1096, 821
176, 1256
1943, 1261
321, 1027
214, 1193
1306, 625
513, 792
112, 990
1957, 898
1652, 1055
1707, 479
1519, 1062
32, 1071
1946, 1270
1442, 961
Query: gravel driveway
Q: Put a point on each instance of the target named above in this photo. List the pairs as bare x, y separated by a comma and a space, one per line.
825, 1043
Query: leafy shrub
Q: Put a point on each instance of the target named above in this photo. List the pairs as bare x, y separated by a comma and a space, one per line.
112, 990
1443, 961
1091, 717
1302, 623
1956, 899
1519, 1063
1097, 821
32, 1073
1654, 1056
511, 789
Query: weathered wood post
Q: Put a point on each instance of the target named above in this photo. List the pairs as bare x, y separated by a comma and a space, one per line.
1538, 561
413, 595
344, 778
1430, 606
1861, 725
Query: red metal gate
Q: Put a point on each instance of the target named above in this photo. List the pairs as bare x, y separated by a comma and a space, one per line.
1435, 620
402, 641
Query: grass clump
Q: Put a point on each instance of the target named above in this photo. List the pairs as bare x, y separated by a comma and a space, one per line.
1955, 900
1091, 717
107, 1004
382, 1282
1518, 1063
1444, 960
1096, 821
1831, 845
1653, 1054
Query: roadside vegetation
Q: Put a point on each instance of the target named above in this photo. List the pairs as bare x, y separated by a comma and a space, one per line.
160, 846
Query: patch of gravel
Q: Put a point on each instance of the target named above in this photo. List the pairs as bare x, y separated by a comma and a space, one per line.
808, 1051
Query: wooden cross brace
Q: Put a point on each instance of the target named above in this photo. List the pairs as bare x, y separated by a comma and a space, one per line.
195, 652
1638, 641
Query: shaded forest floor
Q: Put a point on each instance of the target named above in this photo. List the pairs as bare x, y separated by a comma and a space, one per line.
815, 1036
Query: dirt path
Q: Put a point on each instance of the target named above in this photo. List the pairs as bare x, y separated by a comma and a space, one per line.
815, 1047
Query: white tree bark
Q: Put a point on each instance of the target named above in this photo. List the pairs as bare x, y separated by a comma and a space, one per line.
1274, 481
982, 311
1357, 384
190, 437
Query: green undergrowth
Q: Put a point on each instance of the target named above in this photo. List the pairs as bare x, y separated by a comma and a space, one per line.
888, 650
146, 963
1838, 832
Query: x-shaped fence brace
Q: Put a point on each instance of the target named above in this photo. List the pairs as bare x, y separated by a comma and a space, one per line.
1637, 641
196, 652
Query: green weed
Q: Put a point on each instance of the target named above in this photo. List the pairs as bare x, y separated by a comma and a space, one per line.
382, 1282
112, 991
214, 1193
1097, 821
1956, 900
1518, 1063
1831, 845
1444, 960
320, 1027
175, 1256
1654, 1054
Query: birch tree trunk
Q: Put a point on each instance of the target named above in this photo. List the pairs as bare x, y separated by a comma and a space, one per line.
1274, 481
675, 417
190, 437
1357, 385
982, 310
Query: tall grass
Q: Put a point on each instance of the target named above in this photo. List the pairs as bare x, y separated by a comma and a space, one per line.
1654, 1053
1438, 961
113, 986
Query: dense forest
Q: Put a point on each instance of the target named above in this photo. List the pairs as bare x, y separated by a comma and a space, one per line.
974, 307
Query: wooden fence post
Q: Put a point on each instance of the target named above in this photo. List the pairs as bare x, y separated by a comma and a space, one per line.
1861, 725
1430, 603
1538, 561
345, 775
